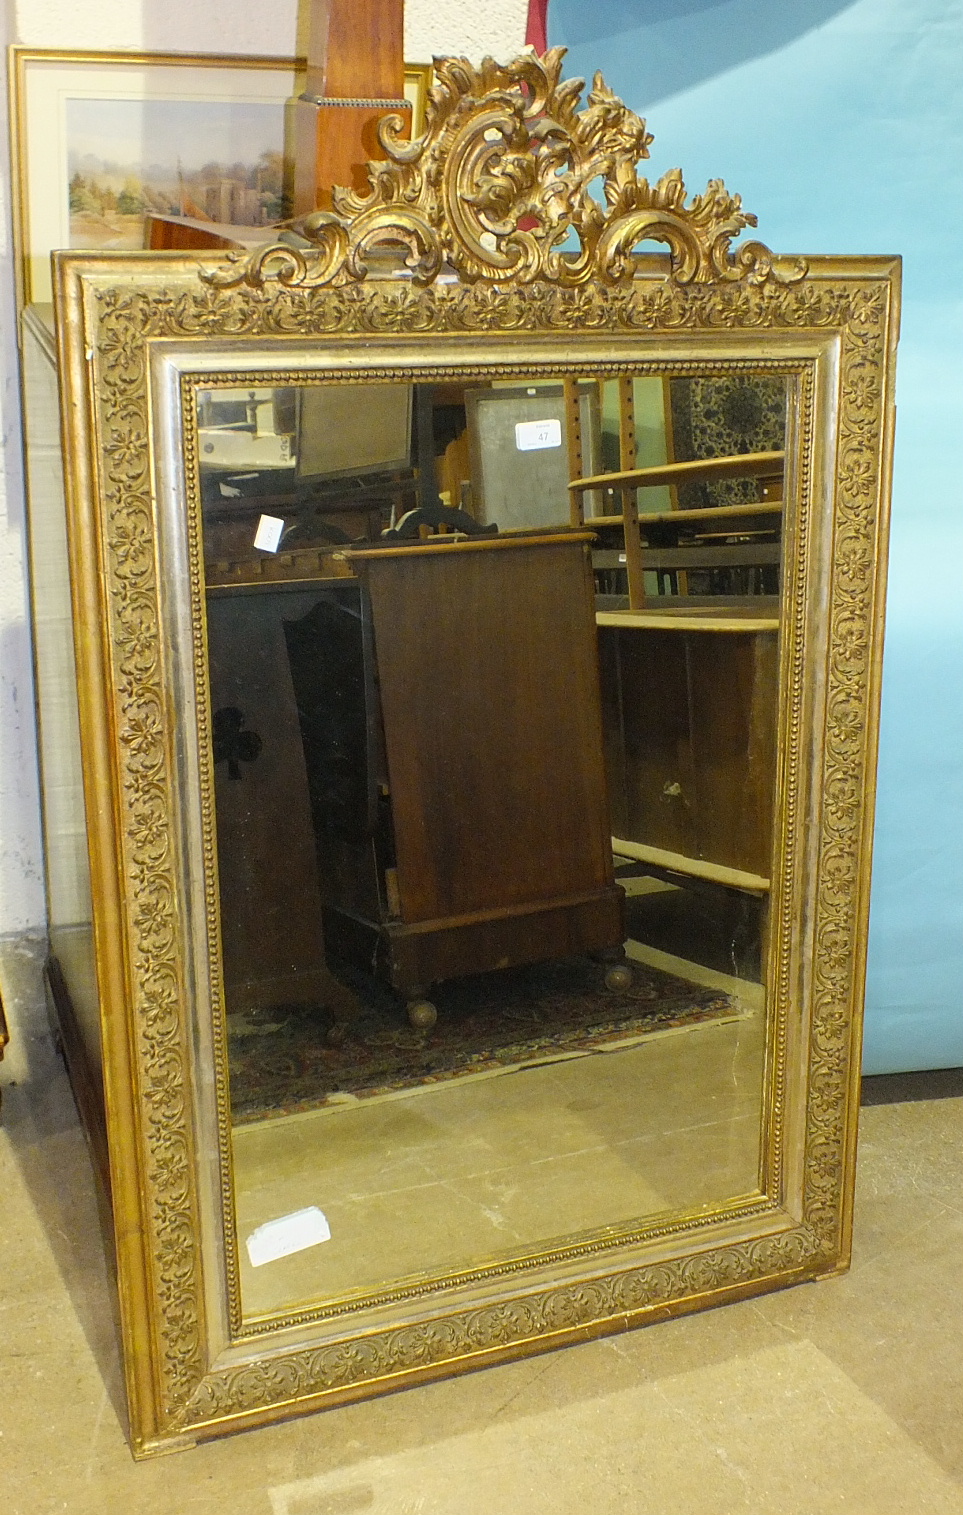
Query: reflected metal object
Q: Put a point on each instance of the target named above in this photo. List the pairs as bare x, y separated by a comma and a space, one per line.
619, 976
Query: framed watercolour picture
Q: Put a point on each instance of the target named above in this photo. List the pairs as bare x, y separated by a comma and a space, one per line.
101, 140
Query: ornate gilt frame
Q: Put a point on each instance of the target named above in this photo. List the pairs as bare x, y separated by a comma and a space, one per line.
482, 204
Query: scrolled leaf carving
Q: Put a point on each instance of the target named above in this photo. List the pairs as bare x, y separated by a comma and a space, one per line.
502, 187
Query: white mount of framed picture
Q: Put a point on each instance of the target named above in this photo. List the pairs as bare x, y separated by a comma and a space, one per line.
101, 139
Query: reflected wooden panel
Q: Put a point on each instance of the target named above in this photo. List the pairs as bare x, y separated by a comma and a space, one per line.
488, 689
690, 739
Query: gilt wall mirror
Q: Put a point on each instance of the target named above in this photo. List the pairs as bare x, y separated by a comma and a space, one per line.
479, 746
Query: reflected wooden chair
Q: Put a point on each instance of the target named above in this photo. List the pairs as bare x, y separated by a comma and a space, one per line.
689, 681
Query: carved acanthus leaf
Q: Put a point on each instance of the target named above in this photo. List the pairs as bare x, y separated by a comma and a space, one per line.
512, 183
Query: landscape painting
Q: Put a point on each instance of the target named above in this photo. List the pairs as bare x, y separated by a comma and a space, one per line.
212, 160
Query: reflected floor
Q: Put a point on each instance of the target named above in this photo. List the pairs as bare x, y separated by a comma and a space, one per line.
839, 1398
289, 1059
444, 1177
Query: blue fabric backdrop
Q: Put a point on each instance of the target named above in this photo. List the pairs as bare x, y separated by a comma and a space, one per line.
841, 125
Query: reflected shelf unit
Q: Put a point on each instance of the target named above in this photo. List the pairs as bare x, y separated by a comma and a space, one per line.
688, 681
671, 543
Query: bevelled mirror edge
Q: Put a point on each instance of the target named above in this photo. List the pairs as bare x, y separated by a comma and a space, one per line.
171, 364
185, 1379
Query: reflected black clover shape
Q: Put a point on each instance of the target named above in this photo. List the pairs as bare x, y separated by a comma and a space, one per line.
233, 745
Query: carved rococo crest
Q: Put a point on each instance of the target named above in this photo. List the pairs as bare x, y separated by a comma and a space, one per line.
502, 187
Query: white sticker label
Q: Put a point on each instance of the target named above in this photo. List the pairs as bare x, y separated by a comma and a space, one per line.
268, 534
530, 436
287, 1234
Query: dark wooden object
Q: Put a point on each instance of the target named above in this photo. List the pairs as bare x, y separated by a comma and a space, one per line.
481, 840
355, 75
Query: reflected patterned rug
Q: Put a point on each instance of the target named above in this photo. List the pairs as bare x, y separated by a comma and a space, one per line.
282, 1062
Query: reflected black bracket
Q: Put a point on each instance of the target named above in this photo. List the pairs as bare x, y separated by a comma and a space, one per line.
232, 744
435, 516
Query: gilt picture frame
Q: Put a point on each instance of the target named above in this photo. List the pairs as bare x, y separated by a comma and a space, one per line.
477, 297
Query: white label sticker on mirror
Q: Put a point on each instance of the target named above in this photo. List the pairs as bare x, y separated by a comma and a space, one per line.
287, 1234
530, 436
268, 534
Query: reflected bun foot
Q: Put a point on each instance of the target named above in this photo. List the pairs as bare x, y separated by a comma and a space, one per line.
422, 1013
618, 978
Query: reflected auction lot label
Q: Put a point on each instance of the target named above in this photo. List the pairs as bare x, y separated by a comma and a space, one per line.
531, 436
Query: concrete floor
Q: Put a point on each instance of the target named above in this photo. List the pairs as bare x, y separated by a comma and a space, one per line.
843, 1396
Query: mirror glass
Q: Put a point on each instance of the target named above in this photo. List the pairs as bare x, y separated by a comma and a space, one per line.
493, 676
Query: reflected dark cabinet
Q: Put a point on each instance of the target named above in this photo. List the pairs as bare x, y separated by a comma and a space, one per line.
272, 945
450, 714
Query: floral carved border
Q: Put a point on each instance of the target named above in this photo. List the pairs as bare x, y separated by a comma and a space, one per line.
124, 319
849, 747
156, 991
